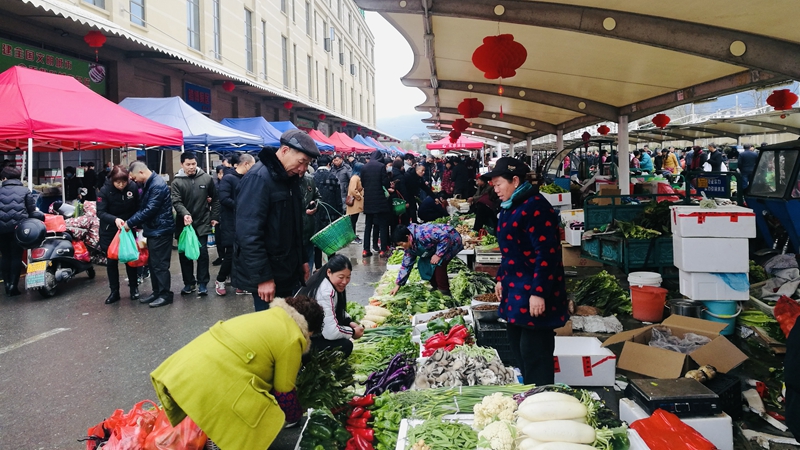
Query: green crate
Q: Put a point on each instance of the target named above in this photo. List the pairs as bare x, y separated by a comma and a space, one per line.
591, 248
635, 253
596, 215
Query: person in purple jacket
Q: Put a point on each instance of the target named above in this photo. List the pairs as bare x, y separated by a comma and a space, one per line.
431, 247
530, 281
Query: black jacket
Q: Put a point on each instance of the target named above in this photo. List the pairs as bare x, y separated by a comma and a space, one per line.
374, 179
269, 230
72, 187
715, 160
225, 233
155, 212
16, 204
429, 210
399, 180
112, 204
90, 182
460, 179
190, 196
414, 184
327, 183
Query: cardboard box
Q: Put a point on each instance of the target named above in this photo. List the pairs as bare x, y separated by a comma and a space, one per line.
724, 221
713, 286
608, 190
638, 357
571, 256
559, 199
711, 255
582, 361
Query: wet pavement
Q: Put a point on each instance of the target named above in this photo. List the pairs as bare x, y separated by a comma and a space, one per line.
68, 362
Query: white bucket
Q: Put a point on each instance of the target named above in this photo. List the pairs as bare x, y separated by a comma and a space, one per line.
644, 279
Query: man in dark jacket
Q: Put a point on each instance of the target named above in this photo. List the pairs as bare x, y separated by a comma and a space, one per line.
343, 173
16, 204
714, 158
432, 208
268, 253
747, 164
460, 179
192, 192
327, 183
415, 183
225, 232
374, 180
155, 217
90, 182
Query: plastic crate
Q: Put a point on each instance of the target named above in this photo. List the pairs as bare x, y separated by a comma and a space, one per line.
591, 247
599, 215
729, 389
494, 335
630, 253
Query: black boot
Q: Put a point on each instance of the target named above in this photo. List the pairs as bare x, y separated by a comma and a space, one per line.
113, 297
13, 290
135, 293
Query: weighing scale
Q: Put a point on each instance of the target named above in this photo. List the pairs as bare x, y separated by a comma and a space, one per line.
684, 397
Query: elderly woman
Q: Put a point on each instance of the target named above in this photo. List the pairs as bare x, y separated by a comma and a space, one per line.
530, 287
237, 380
16, 204
435, 246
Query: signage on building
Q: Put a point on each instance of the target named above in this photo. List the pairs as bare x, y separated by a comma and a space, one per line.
324, 128
198, 97
713, 186
304, 124
90, 74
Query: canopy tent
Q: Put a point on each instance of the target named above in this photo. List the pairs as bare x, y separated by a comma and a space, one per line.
54, 111
371, 140
461, 144
361, 140
321, 139
343, 140
283, 126
322, 144
257, 126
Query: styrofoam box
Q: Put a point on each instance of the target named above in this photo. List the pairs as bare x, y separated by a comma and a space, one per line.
571, 215
721, 255
717, 429
405, 424
573, 237
394, 266
709, 286
636, 442
582, 361
727, 221
558, 199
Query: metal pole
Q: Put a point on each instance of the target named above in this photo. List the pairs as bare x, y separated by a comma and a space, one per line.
623, 157
208, 161
161, 162
559, 140
30, 165
63, 185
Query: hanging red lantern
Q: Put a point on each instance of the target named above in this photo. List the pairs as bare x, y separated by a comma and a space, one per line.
782, 99
95, 39
470, 108
344, 124
603, 130
661, 120
228, 86
288, 105
322, 117
460, 125
499, 56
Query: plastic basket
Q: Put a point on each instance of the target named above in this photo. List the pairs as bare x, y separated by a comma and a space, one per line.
399, 206
335, 236
494, 335
729, 390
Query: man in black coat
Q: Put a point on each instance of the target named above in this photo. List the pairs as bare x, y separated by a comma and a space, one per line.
268, 255
327, 183
415, 183
225, 232
16, 205
90, 182
460, 179
375, 182
714, 158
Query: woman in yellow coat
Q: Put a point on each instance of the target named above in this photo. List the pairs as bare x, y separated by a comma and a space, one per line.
356, 192
237, 380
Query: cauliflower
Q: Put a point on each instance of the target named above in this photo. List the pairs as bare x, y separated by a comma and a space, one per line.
498, 435
493, 408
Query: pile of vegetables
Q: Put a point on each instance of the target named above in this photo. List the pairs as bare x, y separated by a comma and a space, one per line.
457, 265
355, 311
442, 325
552, 189
604, 293
323, 432
443, 435
375, 315
363, 436
396, 258
446, 369
632, 231
451, 313
494, 421
325, 380
458, 335
656, 216
756, 318
467, 285
398, 376
488, 242
374, 352
411, 299
757, 273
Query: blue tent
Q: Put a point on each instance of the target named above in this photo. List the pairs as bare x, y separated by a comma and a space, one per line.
371, 140
360, 139
286, 126
258, 126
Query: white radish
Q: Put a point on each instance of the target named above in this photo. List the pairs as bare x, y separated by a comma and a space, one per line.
550, 397
539, 412
563, 446
528, 444
522, 422
560, 431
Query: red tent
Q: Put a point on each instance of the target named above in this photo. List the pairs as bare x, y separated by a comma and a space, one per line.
343, 140
319, 136
462, 143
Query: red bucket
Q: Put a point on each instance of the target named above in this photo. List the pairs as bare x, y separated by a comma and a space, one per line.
648, 303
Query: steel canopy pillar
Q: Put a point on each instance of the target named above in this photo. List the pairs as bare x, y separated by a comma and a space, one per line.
623, 157
559, 140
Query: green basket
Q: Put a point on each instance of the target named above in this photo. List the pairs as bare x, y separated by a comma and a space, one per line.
335, 236
399, 206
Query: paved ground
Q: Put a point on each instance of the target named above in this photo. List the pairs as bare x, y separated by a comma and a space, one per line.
88, 359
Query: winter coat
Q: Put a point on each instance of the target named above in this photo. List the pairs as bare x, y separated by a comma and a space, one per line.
487, 196
374, 179
671, 163
461, 180
357, 191
431, 239
253, 360
190, 196
414, 184
447, 182
646, 163
429, 210
72, 187
90, 182
331, 194
747, 162
16, 204
310, 194
225, 232
715, 160
113, 204
155, 211
269, 235
336, 324
529, 240
343, 174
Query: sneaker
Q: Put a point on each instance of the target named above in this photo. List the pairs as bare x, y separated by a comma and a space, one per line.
385, 254
242, 292
219, 287
188, 289
376, 248
202, 290
366, 253
357, 240
146, 274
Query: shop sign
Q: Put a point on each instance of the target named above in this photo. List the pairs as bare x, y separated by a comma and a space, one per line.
198, 97
90, 74
304, 123
713, 186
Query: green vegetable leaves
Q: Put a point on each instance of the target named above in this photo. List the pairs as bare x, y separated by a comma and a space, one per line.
467, 285
355, 311
604, 293
552, 189
324, 380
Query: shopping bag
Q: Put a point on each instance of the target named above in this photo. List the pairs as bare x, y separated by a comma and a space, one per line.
665, 431
113, 248
186, 436
144, 257
81, 252
128, 251
189, 244
124, 431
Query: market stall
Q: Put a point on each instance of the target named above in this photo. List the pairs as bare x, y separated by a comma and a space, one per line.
462, 143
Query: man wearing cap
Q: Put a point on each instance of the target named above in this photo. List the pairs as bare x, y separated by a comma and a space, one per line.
268, 258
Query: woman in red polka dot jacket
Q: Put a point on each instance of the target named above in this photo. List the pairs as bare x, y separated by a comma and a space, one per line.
530, 281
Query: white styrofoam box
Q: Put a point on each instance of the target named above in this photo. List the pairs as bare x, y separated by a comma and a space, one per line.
582, 361
714, 286
722, 255
724, 221
394, 266
420, 328
636, 442
558, 199
717, 429
405, 424
571, 215
573, 237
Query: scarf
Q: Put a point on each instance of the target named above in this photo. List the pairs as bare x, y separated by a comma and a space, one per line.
520, 190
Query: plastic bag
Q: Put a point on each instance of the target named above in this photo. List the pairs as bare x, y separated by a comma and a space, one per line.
663, 338
55, 223
128, 251
124, 431
189, 244
665, 431
186, 436
113, 248
144, 256
81, 252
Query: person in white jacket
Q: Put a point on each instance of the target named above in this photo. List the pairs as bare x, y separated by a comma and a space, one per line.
327, 286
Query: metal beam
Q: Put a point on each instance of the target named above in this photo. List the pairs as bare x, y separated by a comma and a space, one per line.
494, 137
717, 133
699, 39
508, 118
768, 125
503, 131
672, 134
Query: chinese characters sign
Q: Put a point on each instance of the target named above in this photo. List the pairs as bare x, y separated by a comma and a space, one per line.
713, 186
198, 97
90, 74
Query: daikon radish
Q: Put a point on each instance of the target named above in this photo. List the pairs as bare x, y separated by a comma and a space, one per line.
528, 444
550, 397
563, 446
538, 412
560, 431
522, 422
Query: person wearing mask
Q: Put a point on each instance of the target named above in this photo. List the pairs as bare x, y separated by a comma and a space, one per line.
16, 205
375, 181
103, 176
484, 205
196, 203
431, 247
328, 286
355, 198
268, 258
72, 185
747, 165
117, 202
253, 360
408, 163
714, 158
416, 187
226, 229
531, 286
330, 192
432, 208
343, 172
155, 218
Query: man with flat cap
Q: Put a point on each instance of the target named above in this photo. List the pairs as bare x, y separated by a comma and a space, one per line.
268, 257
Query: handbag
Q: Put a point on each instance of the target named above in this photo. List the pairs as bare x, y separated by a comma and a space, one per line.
350, 200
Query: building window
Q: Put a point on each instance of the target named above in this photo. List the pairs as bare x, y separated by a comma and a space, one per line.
193, 23
264, 47
283, 6
217, 29
361, 107
294, 65
98, 3
325, 36
352, 102
316, 30
137, 12
285, 58
310, 79
349, 22
327, 91
308, 18
248, 38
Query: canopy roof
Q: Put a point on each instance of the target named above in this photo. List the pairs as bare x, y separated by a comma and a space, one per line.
461, 143
57, 111
361, 140
324, 141
197, 129
344, 141
371, 140
257, 126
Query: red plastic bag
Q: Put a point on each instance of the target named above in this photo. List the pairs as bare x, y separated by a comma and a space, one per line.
124, 431
665, 431
55, 222
81, 252
186, 436
144, 255
113, 249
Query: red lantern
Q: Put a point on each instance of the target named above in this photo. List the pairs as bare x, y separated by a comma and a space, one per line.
470, 108
603, 130
228, 86
661, 120
454, 135
95, 39
344, 124
288, 105
460, 125
782, 99
499, 56
322, 117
